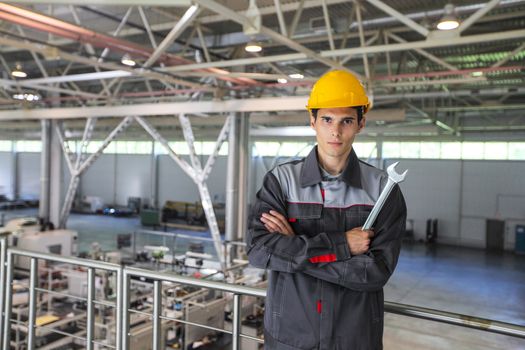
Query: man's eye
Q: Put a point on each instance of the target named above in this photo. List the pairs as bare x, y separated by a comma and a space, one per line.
348, 121
327, 120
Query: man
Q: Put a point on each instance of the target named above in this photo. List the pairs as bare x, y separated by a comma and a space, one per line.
326, 274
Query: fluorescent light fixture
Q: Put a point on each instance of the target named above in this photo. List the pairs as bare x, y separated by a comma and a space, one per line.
18, 72
27, 97
449, 21
128, 61
477, 74
296, 76
252, 46
282, 81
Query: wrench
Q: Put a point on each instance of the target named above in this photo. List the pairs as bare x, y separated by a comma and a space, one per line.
393, 178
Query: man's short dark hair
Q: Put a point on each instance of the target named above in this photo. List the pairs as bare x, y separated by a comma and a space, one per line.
358, 108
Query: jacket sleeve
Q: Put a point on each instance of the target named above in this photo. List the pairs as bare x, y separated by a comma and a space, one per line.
278, 252
371, 271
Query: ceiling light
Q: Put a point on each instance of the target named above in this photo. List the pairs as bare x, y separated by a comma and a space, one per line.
477, 74
27, 97
296, 76
18, 72
128, 61
282, 81
252, 46
449, 20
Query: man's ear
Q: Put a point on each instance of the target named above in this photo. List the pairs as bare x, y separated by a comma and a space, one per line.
362, 124
312, 120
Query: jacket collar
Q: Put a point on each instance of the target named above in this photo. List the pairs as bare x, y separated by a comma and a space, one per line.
311, 174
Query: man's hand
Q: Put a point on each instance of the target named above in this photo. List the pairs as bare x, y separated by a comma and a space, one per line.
276, 222
359, 240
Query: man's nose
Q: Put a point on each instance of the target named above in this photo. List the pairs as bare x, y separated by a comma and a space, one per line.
336, 129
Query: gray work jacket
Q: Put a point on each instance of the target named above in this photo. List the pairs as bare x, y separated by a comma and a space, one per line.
320, 296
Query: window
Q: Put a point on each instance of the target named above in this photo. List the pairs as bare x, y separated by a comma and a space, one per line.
28, 146
450, 150
516, 150
472, 150
409, 149
5, 146
496, 150
430, 150
365, 150
391, 150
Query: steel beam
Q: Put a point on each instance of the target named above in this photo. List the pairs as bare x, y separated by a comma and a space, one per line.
203, 42
296, 17
477, 15
158, 137
398, 15
424, 53
327, 23
116, 32
241, 19
218, 144
147, 26
44, 49
424, 44
29, 84
181, 25
167, 3
45, 160
206, 200
362, 38
509, 56
280, 17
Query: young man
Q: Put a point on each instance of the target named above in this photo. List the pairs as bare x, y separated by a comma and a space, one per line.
326, 274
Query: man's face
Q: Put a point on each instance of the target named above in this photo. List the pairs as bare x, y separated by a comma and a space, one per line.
335, 130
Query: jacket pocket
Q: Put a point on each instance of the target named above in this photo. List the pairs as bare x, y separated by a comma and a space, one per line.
305, 218
356, 216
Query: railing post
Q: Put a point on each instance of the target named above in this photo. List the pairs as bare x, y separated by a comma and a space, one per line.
3, 247
6, 340
236, 322
90, 322
157, 310
33, 284
118, 311
125, 310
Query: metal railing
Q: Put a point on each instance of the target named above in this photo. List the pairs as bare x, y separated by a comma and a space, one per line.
123, 311
159, 277
91, 266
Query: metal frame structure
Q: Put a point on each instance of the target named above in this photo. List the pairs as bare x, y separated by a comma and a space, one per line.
91, 265
122, 307
369, 44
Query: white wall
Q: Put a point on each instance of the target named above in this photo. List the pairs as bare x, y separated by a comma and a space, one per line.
432, 190
6, 174
460, 194
28, 174
99, 179
496, 190
174, 184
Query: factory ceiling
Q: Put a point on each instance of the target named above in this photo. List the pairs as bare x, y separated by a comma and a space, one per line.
465, 83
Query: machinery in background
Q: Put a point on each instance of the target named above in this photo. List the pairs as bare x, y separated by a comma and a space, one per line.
31, 234
61, 308
191, 213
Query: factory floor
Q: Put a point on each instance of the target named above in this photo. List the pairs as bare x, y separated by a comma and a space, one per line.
455, 279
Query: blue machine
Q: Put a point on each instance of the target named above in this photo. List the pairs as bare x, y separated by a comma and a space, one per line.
520, 239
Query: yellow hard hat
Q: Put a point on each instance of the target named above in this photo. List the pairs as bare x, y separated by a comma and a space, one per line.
338, 88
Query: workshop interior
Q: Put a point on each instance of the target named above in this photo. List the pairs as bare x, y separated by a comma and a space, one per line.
135, 136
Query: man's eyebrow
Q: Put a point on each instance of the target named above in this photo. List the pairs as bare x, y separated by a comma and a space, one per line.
343, 118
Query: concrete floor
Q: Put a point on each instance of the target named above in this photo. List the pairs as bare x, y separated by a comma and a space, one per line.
460, 280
